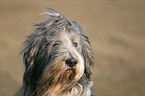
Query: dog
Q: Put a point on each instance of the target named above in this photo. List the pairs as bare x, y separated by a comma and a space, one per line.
57, 56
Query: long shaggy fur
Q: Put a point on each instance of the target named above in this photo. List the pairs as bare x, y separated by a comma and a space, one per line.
45, 53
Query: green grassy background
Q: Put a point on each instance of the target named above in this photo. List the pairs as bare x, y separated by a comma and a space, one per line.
116, 29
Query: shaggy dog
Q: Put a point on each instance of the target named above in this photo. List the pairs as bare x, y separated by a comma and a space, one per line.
57, 57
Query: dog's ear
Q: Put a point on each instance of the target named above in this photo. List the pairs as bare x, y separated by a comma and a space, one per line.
87, 52
30, 49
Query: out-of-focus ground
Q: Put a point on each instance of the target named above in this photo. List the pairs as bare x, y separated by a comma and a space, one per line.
116, 29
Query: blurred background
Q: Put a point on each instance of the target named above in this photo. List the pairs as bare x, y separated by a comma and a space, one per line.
116, 29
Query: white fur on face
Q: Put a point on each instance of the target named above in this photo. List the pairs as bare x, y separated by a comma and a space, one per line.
68, 49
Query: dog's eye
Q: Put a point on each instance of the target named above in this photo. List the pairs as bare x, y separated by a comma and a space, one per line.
56, 44
75, 44
56, 21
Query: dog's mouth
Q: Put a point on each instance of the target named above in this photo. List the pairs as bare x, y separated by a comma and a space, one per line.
69, 73
70, 69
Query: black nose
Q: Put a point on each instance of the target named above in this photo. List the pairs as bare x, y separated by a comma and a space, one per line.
71, 62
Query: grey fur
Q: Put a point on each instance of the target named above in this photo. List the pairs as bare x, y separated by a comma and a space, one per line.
44, 52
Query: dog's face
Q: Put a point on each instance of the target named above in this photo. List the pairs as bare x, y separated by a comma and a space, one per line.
57, 55
69, 55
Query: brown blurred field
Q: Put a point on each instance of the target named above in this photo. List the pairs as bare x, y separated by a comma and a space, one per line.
116, 29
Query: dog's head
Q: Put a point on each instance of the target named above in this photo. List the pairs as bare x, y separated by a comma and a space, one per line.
57, 53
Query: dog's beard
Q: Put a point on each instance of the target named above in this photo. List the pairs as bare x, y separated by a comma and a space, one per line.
58, 79
69, 74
